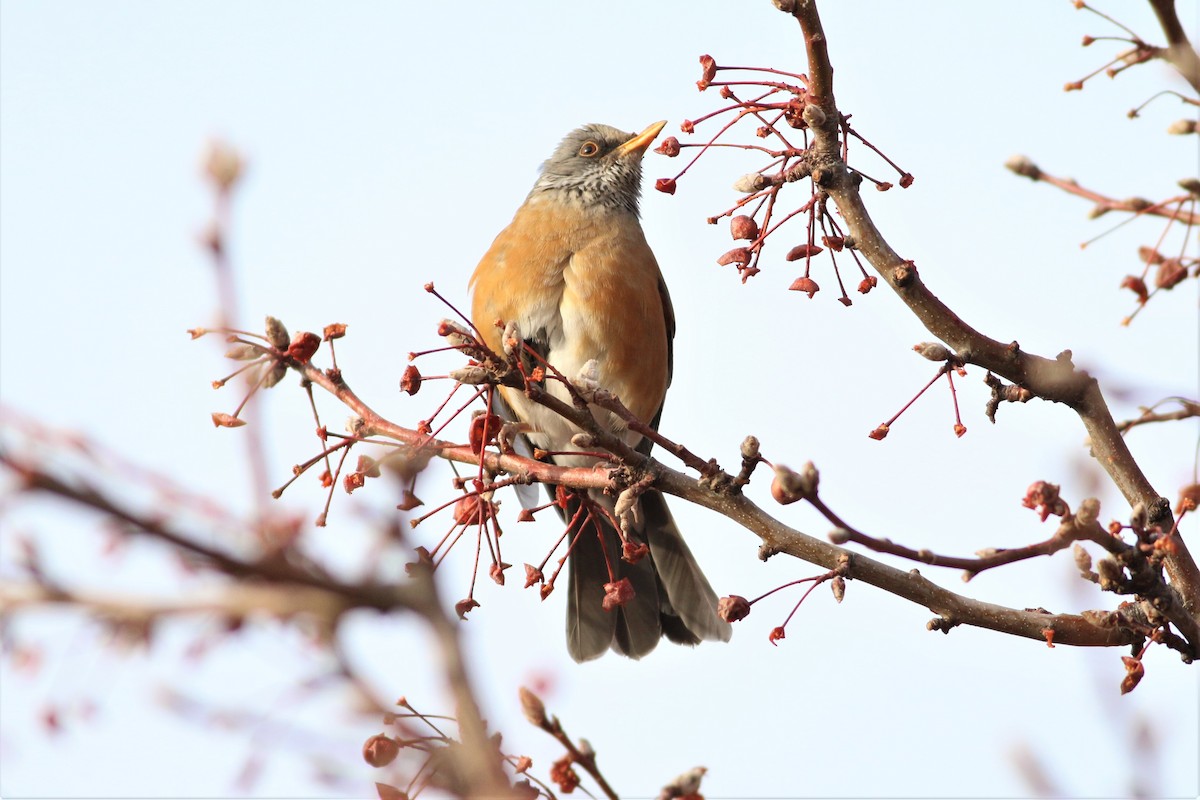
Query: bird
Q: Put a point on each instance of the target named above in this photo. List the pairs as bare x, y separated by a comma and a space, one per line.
574, 272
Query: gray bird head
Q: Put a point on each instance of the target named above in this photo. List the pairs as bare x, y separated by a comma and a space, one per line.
598, 165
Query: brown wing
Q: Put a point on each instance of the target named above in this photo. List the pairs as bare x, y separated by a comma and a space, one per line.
669, 315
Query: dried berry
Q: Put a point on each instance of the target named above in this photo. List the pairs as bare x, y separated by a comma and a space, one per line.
669, 147
802, 251
743, 227
806, 285
380, 750
1171, 273
617, 593
738, 255
303, 346
410, 381
462, 607
733, 608
1137, 286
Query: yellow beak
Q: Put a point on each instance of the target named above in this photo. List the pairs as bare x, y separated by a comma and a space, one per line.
638, 144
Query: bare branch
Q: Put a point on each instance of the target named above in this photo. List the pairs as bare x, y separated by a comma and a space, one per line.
1171, 208
233, 601
1180, 52
718, 491
952, 609
1190, 408
582, 754
1056, 380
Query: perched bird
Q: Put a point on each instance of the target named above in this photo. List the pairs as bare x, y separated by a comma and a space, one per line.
574, 272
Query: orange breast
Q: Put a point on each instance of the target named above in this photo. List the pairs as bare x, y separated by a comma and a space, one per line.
588, 281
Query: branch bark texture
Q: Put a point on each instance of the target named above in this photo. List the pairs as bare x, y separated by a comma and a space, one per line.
1056, 380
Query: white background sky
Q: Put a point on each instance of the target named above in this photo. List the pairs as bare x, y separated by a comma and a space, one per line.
387, 144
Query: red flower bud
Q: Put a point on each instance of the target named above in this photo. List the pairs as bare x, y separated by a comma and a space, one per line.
1189, 498
563, 774
807, 285
380, 750
617, 593
802, 251
352, 481
743, 227
472, 509
410, 381
303, 346
368, 467
634, 552
463, 606
1171, 273
733, 608
665, 185
1044, 497
1134, 670
738, 255
482, 431
669, 147
533, 575
1137, 286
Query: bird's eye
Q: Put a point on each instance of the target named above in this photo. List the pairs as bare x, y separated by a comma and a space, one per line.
589, 149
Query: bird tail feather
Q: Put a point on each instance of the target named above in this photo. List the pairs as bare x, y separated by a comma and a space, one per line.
672, 598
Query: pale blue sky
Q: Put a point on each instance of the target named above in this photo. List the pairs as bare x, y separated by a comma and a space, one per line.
387, 144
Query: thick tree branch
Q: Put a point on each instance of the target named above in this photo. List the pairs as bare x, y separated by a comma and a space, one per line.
717, 491
952, 609
1056, 380
1180, 52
